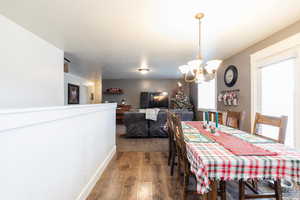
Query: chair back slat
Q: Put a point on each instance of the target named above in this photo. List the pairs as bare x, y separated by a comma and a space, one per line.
269, 120
170, 126
235, 119
220, 116
280, 122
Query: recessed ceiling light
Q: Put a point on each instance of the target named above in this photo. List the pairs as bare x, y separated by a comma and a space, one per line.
143, 70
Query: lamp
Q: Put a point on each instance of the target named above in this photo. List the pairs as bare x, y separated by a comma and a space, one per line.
196, 70
143, 70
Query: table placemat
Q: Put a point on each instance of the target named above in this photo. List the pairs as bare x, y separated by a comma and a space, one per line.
197, 138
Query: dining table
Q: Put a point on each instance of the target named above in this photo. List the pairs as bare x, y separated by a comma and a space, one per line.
213, 159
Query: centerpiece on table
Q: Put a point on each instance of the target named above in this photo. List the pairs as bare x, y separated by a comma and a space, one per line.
211, 127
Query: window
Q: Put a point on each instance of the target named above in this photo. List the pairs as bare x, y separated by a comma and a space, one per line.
207, 95
277, 95
275, 84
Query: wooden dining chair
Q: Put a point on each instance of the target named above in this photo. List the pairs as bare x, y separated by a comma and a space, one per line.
183, 162
281, 123
220, 117
172, 146
235, 119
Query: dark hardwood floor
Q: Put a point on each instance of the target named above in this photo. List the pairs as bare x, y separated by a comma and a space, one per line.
135, 176
139, 171
139, 144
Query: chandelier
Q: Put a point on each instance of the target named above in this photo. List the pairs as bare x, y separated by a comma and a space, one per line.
196, 70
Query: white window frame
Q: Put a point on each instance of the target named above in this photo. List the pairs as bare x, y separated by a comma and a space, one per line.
216, 96
285, 49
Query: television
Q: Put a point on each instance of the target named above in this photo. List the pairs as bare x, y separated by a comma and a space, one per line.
154, 100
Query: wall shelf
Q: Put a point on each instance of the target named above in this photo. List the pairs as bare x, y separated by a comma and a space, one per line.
113, 91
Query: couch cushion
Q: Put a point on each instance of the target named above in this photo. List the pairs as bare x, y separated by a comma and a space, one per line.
136, 124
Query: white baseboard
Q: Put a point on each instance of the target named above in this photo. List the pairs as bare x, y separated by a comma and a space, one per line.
92, 182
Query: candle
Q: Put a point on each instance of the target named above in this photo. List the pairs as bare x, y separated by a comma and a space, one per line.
203, 117
217, 119
212, 117
207, 118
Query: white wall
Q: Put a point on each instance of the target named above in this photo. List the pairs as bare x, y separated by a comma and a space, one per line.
54, 153
31, 69
84, 88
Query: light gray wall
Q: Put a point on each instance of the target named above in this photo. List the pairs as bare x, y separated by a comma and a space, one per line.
242, 62
133, 87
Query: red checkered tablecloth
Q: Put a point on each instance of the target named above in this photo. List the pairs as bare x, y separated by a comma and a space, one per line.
213, 161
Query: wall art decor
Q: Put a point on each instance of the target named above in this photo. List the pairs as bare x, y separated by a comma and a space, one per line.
229, 97
73, 94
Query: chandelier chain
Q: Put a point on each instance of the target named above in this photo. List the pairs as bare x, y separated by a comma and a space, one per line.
199, 42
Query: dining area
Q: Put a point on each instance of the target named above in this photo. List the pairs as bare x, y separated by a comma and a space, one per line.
212, 158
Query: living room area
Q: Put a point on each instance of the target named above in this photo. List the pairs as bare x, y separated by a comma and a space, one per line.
137, 128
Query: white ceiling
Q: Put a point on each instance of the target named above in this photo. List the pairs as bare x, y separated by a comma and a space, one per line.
117, 36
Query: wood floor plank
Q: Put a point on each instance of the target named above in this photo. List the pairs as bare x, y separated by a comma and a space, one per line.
145, 191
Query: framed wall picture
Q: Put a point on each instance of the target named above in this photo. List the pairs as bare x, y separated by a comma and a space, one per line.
73, 94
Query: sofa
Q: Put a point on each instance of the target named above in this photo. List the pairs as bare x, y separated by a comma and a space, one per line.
138, 126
